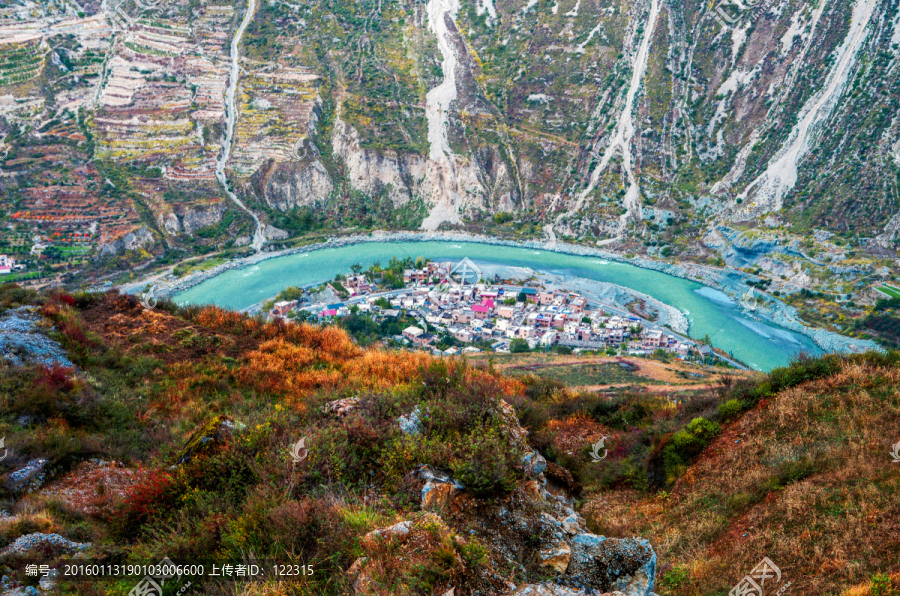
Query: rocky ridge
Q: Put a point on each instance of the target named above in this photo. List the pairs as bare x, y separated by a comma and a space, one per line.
537, 517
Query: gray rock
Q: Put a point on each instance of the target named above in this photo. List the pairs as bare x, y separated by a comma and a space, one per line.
130, 241
410, 425
22, 341
624, 564
274, 233
27, 478
29, 542
534, 463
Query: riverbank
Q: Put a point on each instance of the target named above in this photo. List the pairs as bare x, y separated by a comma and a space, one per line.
728, 281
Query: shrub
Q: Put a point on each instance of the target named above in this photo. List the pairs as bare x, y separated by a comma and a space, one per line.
803, 369
155, 493
489, 466
881, 585
47, 393
349, 451
684, 445
675, 577
731, 409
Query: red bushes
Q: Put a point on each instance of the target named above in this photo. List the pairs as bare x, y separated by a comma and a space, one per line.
155, 493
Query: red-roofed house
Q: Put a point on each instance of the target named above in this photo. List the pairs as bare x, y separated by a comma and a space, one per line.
481, 311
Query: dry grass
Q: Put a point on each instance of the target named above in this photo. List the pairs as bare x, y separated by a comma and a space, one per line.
805, 479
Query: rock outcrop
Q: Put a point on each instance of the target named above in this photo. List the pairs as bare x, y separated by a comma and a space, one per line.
212, 434
295, 184
535, 528
140, 238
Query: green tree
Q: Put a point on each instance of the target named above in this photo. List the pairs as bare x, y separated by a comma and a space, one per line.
518, 346
290, 293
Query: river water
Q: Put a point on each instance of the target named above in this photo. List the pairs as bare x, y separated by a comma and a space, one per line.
710, 312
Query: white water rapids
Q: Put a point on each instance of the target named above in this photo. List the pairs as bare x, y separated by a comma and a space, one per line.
259, 237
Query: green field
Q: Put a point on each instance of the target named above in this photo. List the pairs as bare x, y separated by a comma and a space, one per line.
16, 277
890, 290
575, 375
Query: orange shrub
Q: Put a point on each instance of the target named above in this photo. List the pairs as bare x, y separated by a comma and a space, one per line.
331, 343
277, 355
227, 320
381, 369
508, 386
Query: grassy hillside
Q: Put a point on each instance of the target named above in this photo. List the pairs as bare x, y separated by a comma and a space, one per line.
175, 431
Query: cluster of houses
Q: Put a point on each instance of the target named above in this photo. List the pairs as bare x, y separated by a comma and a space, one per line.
440, 296
545, 318
8, 265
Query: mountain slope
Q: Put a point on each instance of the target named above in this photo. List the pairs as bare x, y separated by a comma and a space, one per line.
606, 120
207, 436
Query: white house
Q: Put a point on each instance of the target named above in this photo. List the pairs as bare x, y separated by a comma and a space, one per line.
6, 264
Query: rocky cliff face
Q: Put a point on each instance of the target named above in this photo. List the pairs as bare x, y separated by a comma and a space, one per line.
189, 220
136, 240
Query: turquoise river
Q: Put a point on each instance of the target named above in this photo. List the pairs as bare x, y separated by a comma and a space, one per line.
710, 312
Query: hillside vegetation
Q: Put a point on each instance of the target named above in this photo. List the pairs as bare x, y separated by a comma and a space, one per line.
174, 434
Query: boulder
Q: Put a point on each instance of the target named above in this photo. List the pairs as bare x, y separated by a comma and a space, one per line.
410, 425
561, 477
27, 478
439, 490
556, 557
42, 543
341, 407
624, 564
360, 580
534, 463
274, 233
398, 531
212, 434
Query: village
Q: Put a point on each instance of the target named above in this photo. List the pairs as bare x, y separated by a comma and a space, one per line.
453, 301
